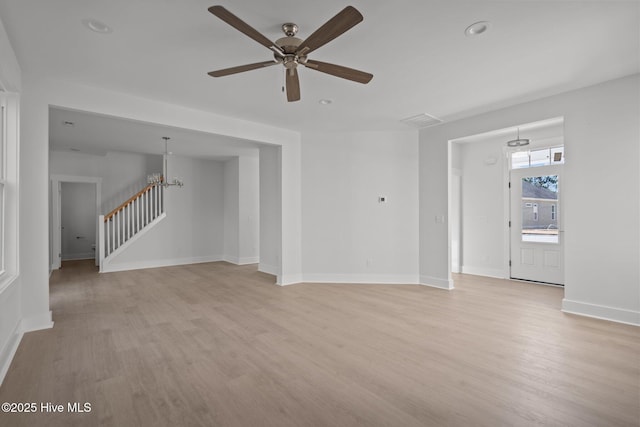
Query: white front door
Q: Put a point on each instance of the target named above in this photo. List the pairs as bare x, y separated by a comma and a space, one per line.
537, 246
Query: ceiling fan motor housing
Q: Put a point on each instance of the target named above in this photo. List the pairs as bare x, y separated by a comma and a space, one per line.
289, 45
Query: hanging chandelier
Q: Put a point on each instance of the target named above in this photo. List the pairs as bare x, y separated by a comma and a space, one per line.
159, 179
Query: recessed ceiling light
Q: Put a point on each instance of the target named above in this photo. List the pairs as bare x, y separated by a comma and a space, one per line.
477, 28
97, 26
325, 101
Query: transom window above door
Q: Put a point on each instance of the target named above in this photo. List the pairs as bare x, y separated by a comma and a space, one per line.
538, 157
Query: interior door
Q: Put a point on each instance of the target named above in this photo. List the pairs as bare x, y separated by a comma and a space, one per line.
537, 240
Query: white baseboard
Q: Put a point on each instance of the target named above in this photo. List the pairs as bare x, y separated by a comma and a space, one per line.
613, 314
27, 324
249, 260
36, 322
241, 260
78, 256
140, 265
484, 271
288, 279
436, 282
9, 350
373, 279
269, 269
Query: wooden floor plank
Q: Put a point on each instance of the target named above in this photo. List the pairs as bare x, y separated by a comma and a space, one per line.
220, 345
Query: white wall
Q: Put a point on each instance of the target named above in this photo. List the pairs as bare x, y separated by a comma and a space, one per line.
78, 215
123, 174
484, 171
231, 210
10, 74
270, 210
30, 290
347, 235
483, 221
193, 229
41, 92
241, 210
249, 210
16, 316
601, 131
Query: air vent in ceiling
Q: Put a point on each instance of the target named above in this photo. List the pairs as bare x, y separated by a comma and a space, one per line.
421, 121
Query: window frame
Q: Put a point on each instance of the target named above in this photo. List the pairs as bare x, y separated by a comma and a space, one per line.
9, 185
3, 180
550, 161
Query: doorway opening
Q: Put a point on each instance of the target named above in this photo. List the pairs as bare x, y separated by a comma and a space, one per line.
536, 243
75, 203
480, 201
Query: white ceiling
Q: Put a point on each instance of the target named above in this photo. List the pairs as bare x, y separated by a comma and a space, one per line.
96, 134
421, 60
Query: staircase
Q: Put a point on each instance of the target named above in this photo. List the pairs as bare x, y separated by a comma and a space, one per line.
126, 223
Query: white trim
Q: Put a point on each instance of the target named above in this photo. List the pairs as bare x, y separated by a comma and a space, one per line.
269, 269
10, 241
36, 322
9, 350
6, 280
242, 260
140, 265
82, 255
56, 208
107, 260
288, 279
484, 271
603, 312
370, 279
436, 282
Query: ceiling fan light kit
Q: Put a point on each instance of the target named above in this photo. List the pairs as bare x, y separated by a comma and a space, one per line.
291, 51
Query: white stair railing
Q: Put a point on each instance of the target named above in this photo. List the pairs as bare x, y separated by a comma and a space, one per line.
124, 222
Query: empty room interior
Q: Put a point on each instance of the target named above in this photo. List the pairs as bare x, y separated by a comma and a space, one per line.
282, 213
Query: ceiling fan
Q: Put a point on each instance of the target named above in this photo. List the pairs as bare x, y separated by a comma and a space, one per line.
291, 51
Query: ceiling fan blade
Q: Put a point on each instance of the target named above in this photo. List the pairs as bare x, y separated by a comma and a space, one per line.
293, 85
243, 27
241, 68
340, 71
339, 24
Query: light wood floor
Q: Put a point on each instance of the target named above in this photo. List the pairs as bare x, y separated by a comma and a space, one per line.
220, 345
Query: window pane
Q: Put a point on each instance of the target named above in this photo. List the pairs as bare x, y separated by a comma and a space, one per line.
540, 157
520, 160
539, 209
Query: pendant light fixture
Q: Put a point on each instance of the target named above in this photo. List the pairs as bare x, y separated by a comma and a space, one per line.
161, 180
518, 142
